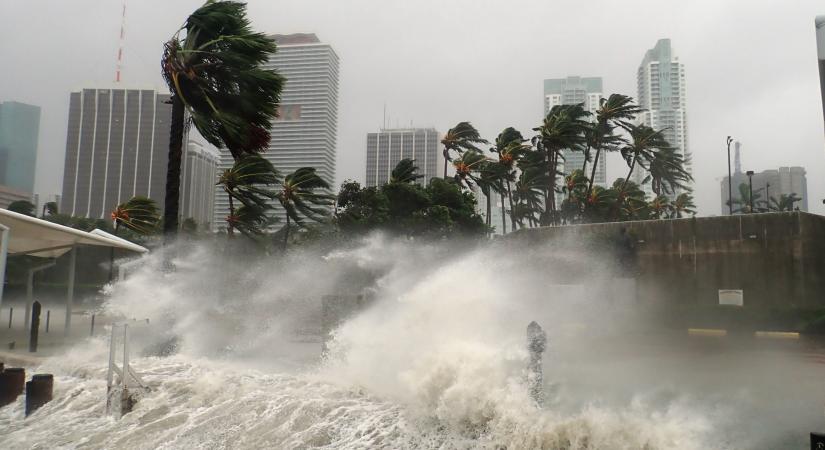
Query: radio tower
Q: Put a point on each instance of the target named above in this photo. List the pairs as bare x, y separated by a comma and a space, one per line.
120, 43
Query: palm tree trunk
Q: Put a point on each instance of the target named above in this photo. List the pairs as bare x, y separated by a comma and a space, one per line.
230, 228
510, 199
593, 171
630, 172
503, 214
286, 232
171, 201
445, 163
488, 220
112, 255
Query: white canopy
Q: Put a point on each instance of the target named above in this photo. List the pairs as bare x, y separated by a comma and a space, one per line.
32, 236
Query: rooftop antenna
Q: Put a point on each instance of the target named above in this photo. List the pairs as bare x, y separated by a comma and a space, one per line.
384, 124
120, 43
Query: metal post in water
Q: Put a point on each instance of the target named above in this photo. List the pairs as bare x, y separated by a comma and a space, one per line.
39, 391
34, 330
11, 314
92, 331
536, 343
48, 316
111, 373
70, 293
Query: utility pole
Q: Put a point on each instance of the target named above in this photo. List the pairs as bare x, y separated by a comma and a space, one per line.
750, 187
730, 181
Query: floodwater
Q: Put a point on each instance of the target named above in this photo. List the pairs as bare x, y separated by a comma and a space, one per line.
436, 361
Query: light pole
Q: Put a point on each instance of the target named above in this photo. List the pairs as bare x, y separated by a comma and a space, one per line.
730, 181
750, 187
768, 196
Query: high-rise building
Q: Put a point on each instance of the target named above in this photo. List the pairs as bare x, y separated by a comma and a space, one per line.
304, 134
116, 148
661, 86
198, 177
768, 185
570, 91
820, 48
389, 146
19, 128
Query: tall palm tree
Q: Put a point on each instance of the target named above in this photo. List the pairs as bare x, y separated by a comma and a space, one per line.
644, 142
744, 199
575, 190
564, 127
660, 207
250, 181
213, 67
667, 171
459, 138
615, 111
785, 202
510, 149
299, 198
527, 194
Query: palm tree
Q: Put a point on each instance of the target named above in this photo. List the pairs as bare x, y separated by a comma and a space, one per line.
667, 171
615, 111
528, 193
298, 197
575, 189
139, 214
683, 204
510, 148
660, 207
405, 172
744, 199
461, 137
212, 66
49, 209
644, 142
248, 181
784, 203
564, 127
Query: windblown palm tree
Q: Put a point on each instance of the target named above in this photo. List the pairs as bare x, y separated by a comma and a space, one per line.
299, 198
564, 127
405, 172
213, 67
667, 171
250, 181
660, 207
139, 214
615, 111
744, 199
575, 191
460, 138
682, 205
527, 195
644, 142
785, 202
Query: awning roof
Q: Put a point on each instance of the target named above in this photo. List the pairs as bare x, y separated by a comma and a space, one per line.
37, 237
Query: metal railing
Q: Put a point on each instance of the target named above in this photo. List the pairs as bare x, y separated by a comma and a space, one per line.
128, 379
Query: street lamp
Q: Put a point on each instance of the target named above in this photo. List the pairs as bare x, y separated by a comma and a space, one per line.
730, 181
768, 196
750, 186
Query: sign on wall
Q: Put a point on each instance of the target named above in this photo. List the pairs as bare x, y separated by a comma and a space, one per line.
732, 297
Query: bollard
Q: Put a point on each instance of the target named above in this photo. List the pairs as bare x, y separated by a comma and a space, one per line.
35, 328
92, 330
536, 343
48, 316
39, 391
11, 314
12, 381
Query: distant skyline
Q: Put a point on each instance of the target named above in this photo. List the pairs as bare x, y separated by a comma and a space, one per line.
19, 132
767, 99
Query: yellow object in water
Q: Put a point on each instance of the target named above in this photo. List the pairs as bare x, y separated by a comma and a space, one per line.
709, 332
777, 335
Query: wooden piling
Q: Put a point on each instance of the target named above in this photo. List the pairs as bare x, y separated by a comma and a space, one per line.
39, 391
11, 314
12, 381
48, 316
34, 331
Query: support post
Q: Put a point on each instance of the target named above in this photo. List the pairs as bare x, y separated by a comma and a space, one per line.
11, 315
39, 391
34, 330
92, 330
70, 293
536, 343
48, 317
30, 289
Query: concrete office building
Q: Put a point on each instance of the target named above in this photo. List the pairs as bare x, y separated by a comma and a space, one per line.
820, 48
116, 148
304, 134
570, 91
661, 92
19, 129
389, 146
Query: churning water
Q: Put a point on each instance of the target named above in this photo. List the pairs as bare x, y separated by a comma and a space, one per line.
436, 361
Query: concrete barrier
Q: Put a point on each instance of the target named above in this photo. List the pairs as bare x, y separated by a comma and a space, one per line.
38, 391
12, 381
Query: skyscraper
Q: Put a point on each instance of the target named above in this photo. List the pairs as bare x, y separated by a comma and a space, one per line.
19, 127
304, 134
570, 91
820, 48
661, 85
389, 146
116, 148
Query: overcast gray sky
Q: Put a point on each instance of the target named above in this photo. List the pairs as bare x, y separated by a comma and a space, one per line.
751, 67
